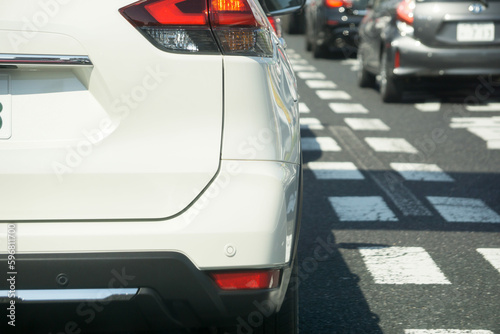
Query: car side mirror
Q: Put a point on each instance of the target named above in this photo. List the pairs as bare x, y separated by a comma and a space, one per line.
281, 7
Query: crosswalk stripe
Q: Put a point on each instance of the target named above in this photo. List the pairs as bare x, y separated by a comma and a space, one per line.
335, 171
318, 84
311, 124
421, 172
486, 128
463, 210
428, 106
326, 144
398, 145
348, 108
492, 255
446, 331
362, 208
298, 62
298, 68
402, 265
333, 95
373, 124
303, 108
311, 75
484, 108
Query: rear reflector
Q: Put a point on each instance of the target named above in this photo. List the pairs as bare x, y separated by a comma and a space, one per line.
261, 279
338, 3
397, 59
231, 27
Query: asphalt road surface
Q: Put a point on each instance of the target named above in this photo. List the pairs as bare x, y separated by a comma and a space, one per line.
401, 214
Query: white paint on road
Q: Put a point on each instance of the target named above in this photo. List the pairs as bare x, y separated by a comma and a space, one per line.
311, 124
398, 145
486, 128
311, 75
428, 106
335, 171
333, 95
446, 331
348, 108
489, 107
298, 68
303, 108
321, 84
492, 255
421, 172
402, 265
464, 210
362, 208
372, 124
326, 144
298, 62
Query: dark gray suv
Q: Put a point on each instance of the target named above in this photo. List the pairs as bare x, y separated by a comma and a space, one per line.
404, 40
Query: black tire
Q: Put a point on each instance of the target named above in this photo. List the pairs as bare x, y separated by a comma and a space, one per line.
365, 78
319, 51
390, 89
308, 44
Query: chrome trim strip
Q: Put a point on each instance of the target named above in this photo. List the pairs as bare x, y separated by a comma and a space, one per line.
69, 295
36, 60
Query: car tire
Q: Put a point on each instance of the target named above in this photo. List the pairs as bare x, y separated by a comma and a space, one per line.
365, 78
308, 44
390, 90
319, 51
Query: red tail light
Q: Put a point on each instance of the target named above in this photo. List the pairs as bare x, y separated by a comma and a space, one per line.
338, 3
405, 10
262, 279
201, 26
397, 59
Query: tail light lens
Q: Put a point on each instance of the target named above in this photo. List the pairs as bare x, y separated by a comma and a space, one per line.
203, 26
338, 3
250, 280
405, 11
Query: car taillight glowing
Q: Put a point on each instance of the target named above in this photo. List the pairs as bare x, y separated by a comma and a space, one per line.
405, 11
248, 280
233, 27
338, 3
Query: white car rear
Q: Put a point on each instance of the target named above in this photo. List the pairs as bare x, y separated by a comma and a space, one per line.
149, 162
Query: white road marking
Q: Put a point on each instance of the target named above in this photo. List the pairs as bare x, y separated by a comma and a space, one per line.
333, 95
486, 128
391, 145
311, 124
298, 62
348, 108
319, 84
484, 108
298, 68
492, 255
294, 55
290, 51
303, 108
421, 172
402, 265
446, 331
464, 210
374, 124
335, 171
311, 75
320, 144
355, 208
428, 106
390, 183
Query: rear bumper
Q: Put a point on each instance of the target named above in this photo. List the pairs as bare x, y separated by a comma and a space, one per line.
171, 292
424, 61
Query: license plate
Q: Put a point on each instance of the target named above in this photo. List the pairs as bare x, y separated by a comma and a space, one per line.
5, 108
476, 32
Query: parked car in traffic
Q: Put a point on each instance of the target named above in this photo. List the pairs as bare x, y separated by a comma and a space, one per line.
332, 25
150, 167
403, 41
